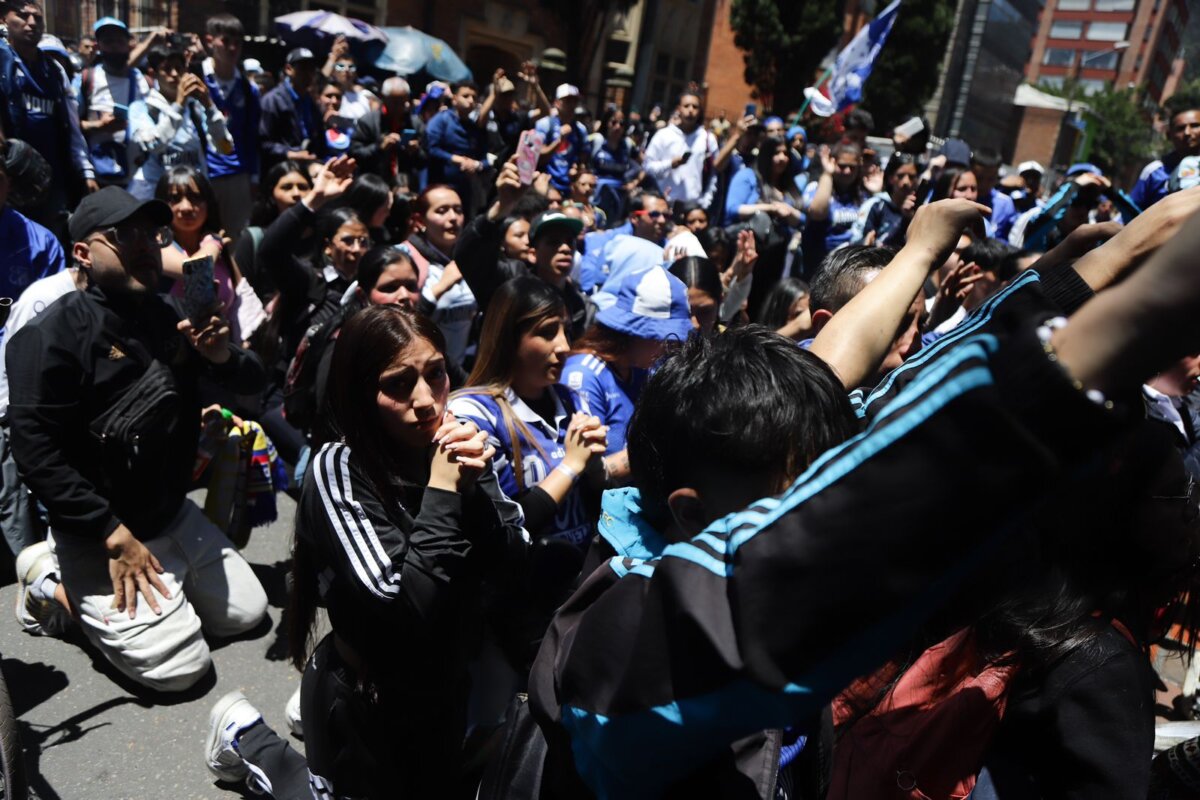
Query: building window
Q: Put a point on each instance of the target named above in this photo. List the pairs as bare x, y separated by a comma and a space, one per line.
1107, 31
1115, 5
1091, 85
1058, 57
1074, 5
1066, 30
1051, 81
1100, 60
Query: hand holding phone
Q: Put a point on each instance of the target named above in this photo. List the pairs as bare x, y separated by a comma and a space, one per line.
751, 110
199, 289
529, 151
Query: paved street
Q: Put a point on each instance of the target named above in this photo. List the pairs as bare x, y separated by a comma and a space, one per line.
89, 737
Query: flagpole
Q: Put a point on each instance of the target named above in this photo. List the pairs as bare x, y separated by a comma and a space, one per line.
807, 100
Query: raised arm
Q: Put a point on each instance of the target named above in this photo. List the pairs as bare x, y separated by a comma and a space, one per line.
856, 339
818, 207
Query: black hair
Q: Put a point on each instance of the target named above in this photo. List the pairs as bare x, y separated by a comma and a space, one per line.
1010, 265
224, 25
779, 301
15, 6
455, 87
715, 238
763, 164
530, 205
265, 212
366, 195
986, 157
327, 224
373, 263
943, 187
638, 201
690, 93
847, 147
842, 275
746, 402
321, 82
860, 119
897, 161
698, 272
156, 55
178, 178
685, 207
987, 253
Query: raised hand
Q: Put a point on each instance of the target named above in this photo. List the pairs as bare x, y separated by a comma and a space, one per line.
937, 227
333, 180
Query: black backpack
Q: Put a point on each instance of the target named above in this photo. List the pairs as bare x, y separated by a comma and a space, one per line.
308, 374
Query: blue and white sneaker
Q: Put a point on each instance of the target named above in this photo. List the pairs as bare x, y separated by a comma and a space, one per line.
232, 714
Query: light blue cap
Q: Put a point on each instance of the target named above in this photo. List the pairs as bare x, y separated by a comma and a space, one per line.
650, 304
105, 22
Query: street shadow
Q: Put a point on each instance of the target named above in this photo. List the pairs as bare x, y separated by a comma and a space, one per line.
37, 739
260, 630
274, 580
143, 694
278, 651
30, 685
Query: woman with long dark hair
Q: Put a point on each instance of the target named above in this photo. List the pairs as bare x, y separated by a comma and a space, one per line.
765, 187
284, 186
196, 231
614, 160
398, 523
544, 442
786, 310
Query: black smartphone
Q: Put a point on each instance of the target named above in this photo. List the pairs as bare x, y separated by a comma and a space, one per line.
751, 110
199, 289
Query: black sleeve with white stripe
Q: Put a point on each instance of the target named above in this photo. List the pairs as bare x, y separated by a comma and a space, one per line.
373, 555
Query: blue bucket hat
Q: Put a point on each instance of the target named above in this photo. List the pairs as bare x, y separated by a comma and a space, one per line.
1082, 167
650, 304
792, 131
109, 22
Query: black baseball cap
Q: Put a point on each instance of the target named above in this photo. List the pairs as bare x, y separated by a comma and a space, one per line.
554, 219
110, 206
298, 54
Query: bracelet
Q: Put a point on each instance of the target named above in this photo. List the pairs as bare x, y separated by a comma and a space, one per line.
1044, 334
570, 473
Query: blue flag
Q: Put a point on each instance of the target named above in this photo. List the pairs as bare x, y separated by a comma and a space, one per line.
853, 65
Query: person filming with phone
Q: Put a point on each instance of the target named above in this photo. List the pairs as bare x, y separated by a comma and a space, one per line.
104, 414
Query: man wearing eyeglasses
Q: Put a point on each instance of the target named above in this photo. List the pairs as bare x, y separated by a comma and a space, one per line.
104, 413
341, 68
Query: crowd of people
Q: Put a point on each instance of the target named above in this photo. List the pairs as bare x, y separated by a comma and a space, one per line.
697, 458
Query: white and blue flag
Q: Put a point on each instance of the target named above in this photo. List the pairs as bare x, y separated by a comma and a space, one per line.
853, 65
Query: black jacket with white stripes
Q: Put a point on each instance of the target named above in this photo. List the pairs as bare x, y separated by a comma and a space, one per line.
401, 579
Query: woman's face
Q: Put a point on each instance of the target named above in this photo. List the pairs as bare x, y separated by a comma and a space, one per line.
966, 186
188, 208
904, 180
330, 99
444, 219
696, 220
347, 247
780, 161
289, 190
540, 354
516, 241
704, 310
397, 284
583, 188
411, 396
381, 214
616, 125
643, 353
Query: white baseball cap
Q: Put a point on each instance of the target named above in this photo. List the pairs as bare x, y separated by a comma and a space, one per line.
252, 66
1030, 166
566, 90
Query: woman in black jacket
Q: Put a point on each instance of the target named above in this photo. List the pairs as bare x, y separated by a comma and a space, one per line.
398, 525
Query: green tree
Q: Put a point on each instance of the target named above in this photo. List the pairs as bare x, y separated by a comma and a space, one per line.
1120, 132
905, 75
783, 43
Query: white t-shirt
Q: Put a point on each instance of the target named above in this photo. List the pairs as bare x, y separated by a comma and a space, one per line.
354, 105
109, 93
33, 301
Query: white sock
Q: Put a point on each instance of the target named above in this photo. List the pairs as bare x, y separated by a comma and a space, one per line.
44, 585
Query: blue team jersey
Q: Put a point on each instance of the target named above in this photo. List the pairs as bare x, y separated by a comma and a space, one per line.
603, 394
567, 152
30, 253
541, 451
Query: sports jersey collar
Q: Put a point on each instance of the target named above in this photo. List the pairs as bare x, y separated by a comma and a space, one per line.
531, 417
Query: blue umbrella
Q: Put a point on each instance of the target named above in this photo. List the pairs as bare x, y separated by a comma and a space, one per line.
318, 29
409, 51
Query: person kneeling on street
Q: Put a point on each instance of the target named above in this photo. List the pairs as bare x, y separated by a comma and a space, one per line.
105, 414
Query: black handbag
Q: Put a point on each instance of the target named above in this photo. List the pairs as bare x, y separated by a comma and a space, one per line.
143, 411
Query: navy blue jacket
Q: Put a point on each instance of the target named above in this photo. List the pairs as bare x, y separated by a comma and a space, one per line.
284, 126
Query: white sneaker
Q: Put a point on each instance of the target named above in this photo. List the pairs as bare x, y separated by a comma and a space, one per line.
292, 713
36, 615
232, 714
